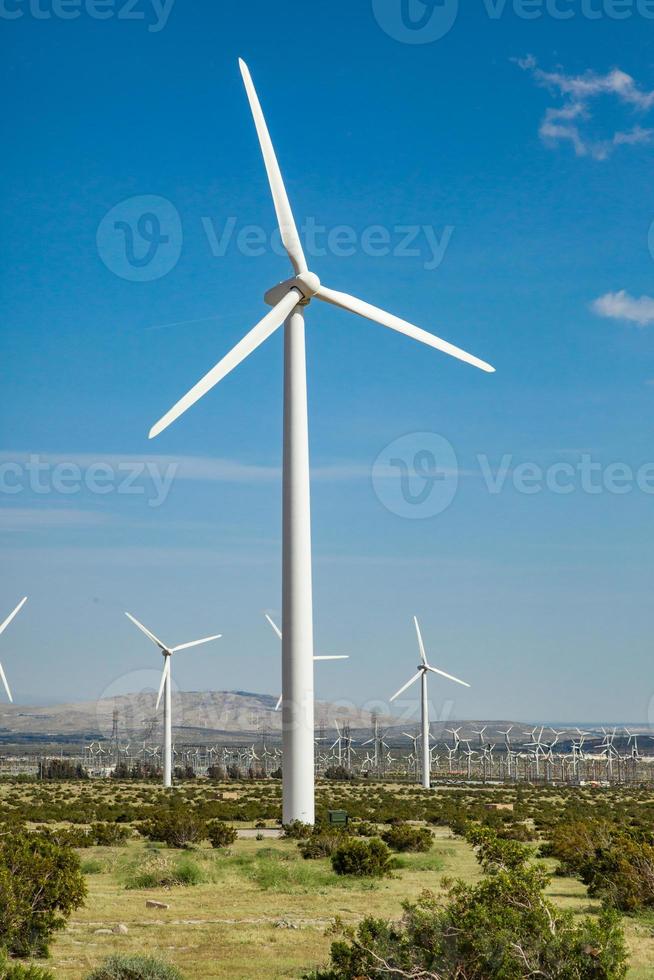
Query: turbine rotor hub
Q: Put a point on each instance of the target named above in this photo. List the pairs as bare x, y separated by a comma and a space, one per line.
307, 285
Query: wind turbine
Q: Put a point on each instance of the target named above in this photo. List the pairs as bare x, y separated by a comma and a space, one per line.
165, 688
289, 300
422, 670
277, 630
3, 627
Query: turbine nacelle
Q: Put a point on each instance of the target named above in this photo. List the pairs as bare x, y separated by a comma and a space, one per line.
306, 283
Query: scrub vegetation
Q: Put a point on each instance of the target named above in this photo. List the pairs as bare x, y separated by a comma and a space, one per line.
325, 902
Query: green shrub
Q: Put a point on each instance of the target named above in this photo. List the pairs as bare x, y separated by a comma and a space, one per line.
320, 845
176, 827
622, 874
188, 872
365, 829
503, 928
405, 837
159, 870
297, 830
91, 866
134, 968
616, 865
221, 834
109, 834
10, 970
40, 885
574, 843
364, 858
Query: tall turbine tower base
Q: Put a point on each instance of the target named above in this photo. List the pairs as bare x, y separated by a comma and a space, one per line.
426, 753
297, 599
168, 734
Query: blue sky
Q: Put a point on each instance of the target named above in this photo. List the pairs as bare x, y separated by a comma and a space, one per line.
516, 154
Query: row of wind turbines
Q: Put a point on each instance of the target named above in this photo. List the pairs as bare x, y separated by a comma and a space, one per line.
165, 686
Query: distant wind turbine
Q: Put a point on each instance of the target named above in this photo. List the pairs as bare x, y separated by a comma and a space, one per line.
165, 688
3, 627
289, 301
422, 670
279, 634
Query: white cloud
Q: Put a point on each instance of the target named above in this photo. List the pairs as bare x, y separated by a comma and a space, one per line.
563, 123
622, 306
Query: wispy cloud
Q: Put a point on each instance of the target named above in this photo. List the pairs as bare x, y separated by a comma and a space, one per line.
622, 306
35, 519
199, 469
564, 123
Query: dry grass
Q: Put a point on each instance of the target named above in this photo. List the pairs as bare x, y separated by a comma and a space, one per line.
245, 923
259, 912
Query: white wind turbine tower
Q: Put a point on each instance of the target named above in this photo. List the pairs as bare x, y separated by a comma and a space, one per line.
3, 627
422, 670
289, 301
341, 656
165, 687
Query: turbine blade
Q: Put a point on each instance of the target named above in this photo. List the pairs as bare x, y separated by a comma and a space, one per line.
435, 670
271, 321
164, 674
274, 626
6, 685
421, 645
195, 643
147, 632
344, 657
14, 613
354, 305
279, 702
415, 678
285, 218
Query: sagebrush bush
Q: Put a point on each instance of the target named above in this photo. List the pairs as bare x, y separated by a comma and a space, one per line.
134, 968
175, 827
406, 837
40, 885
616, 864
91, 867
160, 871
221, 834
501, 927
10, 970
320, 845
296, 830
369, 858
